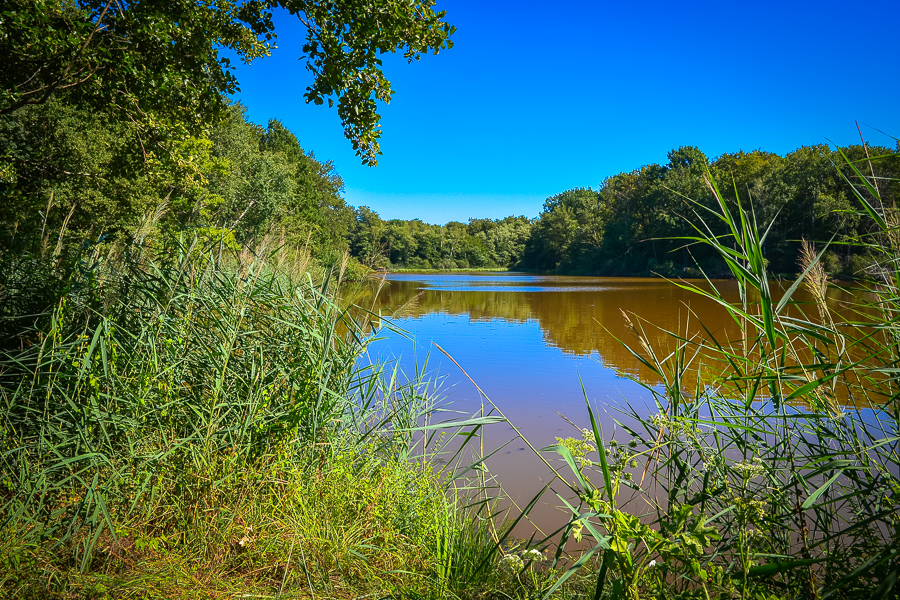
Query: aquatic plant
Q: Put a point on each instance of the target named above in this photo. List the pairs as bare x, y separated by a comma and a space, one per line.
187, 420
779, 477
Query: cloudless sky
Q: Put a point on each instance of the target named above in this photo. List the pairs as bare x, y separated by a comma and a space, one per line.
537, 97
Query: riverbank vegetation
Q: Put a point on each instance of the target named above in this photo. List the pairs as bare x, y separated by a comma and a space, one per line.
195, 423
186, 421
635, 223
185, 405
762, 482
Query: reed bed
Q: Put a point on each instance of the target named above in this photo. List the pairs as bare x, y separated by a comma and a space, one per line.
180, 420
758, 483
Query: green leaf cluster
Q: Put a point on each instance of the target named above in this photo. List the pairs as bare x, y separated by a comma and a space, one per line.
637, 223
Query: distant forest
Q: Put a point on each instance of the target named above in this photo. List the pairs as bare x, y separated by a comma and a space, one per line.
66, 167
636, 223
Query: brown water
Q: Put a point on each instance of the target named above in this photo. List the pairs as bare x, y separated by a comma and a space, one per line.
531, 341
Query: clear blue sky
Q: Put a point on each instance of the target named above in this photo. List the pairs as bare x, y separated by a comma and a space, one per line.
538, 97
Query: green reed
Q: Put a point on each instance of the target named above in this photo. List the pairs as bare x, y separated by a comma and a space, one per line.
777, 474
185, 420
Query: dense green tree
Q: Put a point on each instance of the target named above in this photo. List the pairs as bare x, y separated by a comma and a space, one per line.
636, 223
401, 243
559, 229
505, 239
159, 63
316, 215
415, 244
253, 186
367, 237
68, 164
241, 181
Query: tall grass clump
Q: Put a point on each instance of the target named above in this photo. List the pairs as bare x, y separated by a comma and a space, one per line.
179, 420
777, 473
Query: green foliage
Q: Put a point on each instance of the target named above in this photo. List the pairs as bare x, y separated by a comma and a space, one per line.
482, 243
81, 174
158, 64
571, 224
637, 222
62, 159
169, 365
196, 411
107, 109
778, 477
343, 45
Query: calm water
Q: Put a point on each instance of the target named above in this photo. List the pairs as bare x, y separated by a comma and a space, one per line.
530, 342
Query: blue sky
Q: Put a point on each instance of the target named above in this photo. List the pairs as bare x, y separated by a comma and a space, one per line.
536, 98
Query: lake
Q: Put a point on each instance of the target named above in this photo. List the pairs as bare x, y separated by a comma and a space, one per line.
531, 341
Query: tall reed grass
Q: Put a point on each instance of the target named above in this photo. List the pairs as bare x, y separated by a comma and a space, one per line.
186, 421
761, 483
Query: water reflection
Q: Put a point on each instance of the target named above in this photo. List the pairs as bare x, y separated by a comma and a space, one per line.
580, 316
531, 342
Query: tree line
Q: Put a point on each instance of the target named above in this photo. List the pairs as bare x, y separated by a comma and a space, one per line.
64, 166
97, 133
640, 222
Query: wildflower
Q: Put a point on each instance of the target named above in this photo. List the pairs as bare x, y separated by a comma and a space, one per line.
676, 427
749, 509
511, 563
716, 462
532, 555
651, 564
750, 469
579, 448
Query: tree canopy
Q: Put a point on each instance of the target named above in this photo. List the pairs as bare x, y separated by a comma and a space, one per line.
113, 109
637, 223
160, 63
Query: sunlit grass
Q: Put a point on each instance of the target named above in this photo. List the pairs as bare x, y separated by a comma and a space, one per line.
757, 483
197, 423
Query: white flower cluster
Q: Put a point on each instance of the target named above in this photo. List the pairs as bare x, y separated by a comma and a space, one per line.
513, 562
749, 509
675, 427
749, 469
534, 555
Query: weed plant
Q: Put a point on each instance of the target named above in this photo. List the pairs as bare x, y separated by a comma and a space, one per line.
186, 421
780, 477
